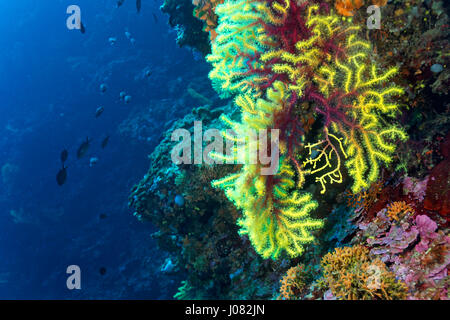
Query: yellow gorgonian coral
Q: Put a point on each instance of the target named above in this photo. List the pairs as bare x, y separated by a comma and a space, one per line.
239, 37
305, 63
351, 95
276, 216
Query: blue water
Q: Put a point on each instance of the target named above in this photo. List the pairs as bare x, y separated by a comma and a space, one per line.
49, 91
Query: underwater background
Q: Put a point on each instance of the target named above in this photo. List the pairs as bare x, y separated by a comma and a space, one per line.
141, 227
50, 78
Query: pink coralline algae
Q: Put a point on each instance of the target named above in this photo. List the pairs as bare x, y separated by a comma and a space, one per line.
427, 230
391, 242
417, 252
415, 188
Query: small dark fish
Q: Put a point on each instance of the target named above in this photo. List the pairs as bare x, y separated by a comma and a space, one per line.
155, 18
102, 216
148, 73
82, 28
83, 148
61, 176
138, 5
99, 111
105, 142
102, 271
120, 2
64, 155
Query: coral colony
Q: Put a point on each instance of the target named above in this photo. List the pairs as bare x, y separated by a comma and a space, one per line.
300, 54
338, 218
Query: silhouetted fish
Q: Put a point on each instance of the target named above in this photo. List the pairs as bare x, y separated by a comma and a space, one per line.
61, 176
102, 216
99, 111
120, 2
138, 5
83, 148
105, 142
64, 155
82, 28
102, 271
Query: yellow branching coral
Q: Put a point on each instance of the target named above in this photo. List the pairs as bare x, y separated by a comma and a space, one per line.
305, 63
352, 275
275, 214
240, 37
256, 115
274, 217
327, 153
398, 210
351, 96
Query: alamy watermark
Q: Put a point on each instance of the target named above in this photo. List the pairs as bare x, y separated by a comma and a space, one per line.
253, 148
74, 20
74, 280
374, 20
